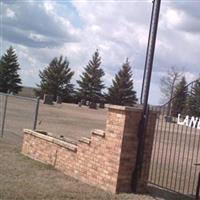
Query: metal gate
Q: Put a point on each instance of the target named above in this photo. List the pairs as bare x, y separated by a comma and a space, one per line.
175, 156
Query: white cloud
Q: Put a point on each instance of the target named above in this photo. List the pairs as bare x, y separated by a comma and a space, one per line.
10, 13
174, 17
48, 6
118, 29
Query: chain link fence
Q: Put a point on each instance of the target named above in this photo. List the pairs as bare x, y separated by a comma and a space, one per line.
17, 113
68, 120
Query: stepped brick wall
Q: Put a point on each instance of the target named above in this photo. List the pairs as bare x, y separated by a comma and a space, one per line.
107, 159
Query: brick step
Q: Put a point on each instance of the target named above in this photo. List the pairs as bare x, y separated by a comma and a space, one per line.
67, 140
67, 145
42, 132
98, 132
46, 136
85, 140
46, 133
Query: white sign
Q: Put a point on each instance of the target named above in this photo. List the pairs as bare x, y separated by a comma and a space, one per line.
189, 121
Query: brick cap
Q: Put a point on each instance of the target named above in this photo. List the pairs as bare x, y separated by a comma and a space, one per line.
61, 143
61, 137
137, 107
98, 132
43, 132
66, 139
85, 140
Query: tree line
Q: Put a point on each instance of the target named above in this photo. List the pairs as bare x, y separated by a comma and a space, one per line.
56, 80
180, 97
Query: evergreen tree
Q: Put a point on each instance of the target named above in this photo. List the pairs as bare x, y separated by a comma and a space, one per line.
90, 83
121, 92
179, 103
55, 79
10, 80
194, 100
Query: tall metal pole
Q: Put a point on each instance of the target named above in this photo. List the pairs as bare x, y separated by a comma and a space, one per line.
150, 51
36, 113
145, 66
4, 115
145, 93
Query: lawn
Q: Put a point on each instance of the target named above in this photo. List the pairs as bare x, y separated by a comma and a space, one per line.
26, 179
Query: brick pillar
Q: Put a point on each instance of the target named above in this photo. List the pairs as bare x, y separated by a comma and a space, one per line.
123, 124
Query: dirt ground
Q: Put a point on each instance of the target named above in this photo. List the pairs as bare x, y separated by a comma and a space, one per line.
70, 120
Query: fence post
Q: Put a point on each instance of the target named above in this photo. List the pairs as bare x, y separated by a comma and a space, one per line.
36, 113
4, 115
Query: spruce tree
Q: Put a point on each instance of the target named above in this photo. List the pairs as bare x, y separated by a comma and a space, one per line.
179, 103
121, 92
90, 83
56, 79
10, 81
194, 100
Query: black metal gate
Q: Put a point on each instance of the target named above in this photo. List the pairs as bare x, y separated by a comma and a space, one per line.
176, 150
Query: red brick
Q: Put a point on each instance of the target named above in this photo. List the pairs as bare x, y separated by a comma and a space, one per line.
106, 162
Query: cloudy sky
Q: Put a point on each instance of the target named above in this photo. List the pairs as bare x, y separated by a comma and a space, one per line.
42, 30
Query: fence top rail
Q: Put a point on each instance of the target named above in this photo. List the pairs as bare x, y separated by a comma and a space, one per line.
19, 97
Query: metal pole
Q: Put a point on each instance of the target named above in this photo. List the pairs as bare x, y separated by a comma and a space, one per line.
36, 113
145, 93
151, 50
4, 115
145, 66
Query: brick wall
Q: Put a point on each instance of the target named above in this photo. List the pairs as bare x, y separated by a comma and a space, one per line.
106, 160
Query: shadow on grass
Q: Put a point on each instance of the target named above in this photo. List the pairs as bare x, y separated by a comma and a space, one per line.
161, 193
